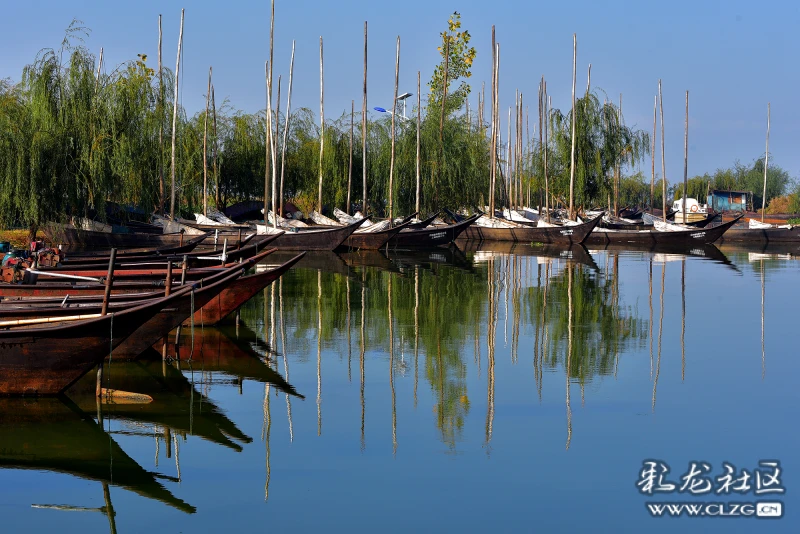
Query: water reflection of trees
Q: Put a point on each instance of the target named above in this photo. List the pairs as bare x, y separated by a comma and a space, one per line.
445, 314
602, 327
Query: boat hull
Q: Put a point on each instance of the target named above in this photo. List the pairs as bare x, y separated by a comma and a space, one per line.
373, 240
46, 361
328, 239
679, 239
239, 292
551, 235
430, 237
762, 235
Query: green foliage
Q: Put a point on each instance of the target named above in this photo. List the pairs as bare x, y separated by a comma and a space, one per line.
458, 65
741, 177
602, 142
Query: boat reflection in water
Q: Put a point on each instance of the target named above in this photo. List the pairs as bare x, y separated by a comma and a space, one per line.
56, 435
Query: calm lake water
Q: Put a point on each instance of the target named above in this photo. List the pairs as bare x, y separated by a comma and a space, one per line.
463, 389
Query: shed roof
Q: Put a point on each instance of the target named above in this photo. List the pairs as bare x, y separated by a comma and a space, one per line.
728, 192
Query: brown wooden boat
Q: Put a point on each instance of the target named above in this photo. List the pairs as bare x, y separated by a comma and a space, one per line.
122, 286
188, 246
78, 238
373, 240
196, 259
762, 235
124, 255
562, 235
424, 223
161, 324
681, 238
239, 292
314, 239
55, 435
46, 360
433, 236
20, 307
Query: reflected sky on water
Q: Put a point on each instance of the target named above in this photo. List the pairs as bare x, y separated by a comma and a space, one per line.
499, 388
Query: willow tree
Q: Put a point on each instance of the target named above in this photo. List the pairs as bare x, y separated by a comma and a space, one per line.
602, 142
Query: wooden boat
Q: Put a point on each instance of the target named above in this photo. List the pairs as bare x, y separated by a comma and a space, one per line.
314, 239
55, 435
177, 404
687, 238
231, 298
123, 272
196, 259
430, 237
163, 253
239, 292
762, 235
566, 235
166, 321
71, 238
423, 223
373, 240
46, 360
103, 255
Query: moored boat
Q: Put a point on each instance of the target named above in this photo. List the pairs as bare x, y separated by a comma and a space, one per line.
46, 360
311, 238
566, 234
680, 238
433, 236
365, 240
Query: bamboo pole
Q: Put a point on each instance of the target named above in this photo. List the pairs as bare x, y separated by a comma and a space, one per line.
109, 281
617, 169
160, 125
394, 110
205, 150
572, 150
685, 159
493, 134
321, 124
589, 80
653, 153
269, 140
175, 121
766, 164
541, 138
419, 120
216, 149
99, 67
274, 148
364, 128
286, 127
350, 165
546, 132
663, 163
509, 182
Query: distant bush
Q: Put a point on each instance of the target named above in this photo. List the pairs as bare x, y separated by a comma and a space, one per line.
781, 204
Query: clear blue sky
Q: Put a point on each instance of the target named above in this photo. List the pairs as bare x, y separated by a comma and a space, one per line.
732, 56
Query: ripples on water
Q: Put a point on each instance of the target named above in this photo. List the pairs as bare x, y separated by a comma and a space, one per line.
457, 389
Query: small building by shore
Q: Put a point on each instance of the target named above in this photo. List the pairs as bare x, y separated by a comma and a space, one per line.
723, 201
